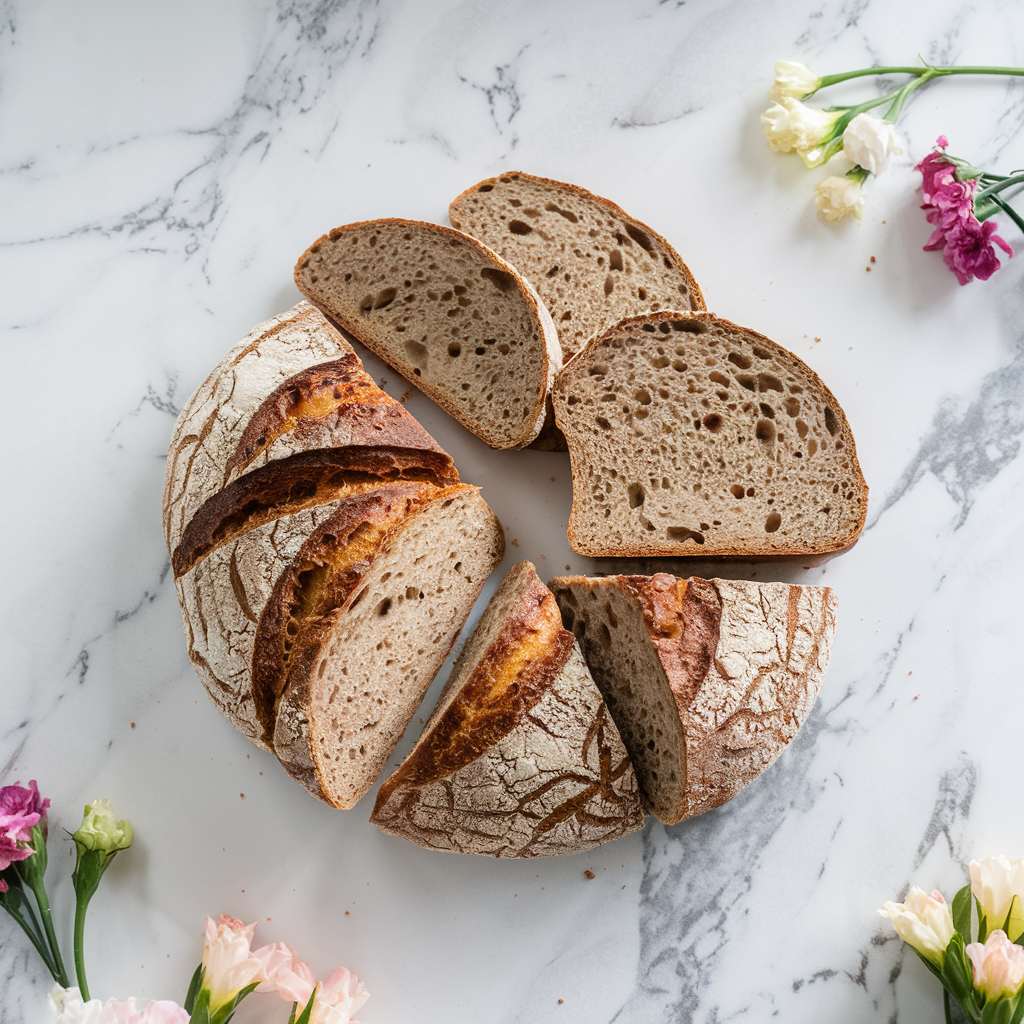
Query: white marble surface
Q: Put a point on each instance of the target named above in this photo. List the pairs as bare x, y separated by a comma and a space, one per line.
161, 168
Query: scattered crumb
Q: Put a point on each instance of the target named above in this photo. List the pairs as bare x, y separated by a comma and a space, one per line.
243, 890
560, 1001
346, 914
133, 725
552, 479
515, 542
543, 556
268, 918
883, 221
405, 397
261, 773
515, 896
816, 337
421, 721
242, 795
850, 349
873, 258
568, 567
383, 381
623, 887
589, 873
916, 695
911, 672
868, 269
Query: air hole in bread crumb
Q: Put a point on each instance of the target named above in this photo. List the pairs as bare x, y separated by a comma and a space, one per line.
767, 410
746, 382
765, 430
679, 366
766, 382
831, 424
642, 396
609, 285
792, 406
615, 260
682, 533
659, 363
454, 349
567, 214
639, 237
737, 491
636, 495
740, 360
485, 188
519, 227
384, 607
713, 422
502, 281
773, 522
650, 328
603, 423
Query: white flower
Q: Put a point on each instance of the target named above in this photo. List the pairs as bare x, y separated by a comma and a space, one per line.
790, 124
994, 882
228, 963
792, 79
69, 1007
998, 965
924, 922
838, 196
869, 141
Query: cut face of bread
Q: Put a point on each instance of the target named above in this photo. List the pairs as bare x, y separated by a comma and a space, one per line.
591, 263
689, 435
520, 757
707, 680
447, 313
292, 386
359, 627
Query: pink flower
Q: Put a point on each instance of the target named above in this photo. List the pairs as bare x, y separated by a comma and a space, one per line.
3, 885
338, 998
228, 962
21, 810
69, 1008
286, 973
998, 965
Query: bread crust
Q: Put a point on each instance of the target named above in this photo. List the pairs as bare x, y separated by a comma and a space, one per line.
744, 662
520, 757
294, 384
357, 326
756, 547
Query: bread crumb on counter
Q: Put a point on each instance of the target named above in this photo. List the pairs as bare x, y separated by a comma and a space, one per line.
589, 873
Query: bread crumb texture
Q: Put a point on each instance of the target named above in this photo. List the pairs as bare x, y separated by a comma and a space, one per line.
689, 435
590, 261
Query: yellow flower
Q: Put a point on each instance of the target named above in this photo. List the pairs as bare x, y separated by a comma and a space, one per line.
792, 79
837, 196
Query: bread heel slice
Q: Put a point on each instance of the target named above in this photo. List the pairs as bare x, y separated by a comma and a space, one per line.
447, 313
689, 435
707, 680
520, 757
360, 657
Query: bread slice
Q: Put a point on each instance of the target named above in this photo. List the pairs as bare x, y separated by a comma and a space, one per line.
293, 386
357, 629
590, 261
447, 313
707, 680
519, 758
689, 435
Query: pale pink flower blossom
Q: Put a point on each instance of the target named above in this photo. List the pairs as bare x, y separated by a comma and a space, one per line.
998, 965
994, 883
285, 972
338, 998
924, 922
228, 962
69, 1008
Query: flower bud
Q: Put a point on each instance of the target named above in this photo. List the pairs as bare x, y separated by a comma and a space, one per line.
998, 965
792, 79
837, 196
101, 831
994, 883
923, 922
869, 141
790, 125
228, 963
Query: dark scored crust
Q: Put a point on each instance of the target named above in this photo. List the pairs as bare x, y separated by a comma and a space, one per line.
499, 690
303, 481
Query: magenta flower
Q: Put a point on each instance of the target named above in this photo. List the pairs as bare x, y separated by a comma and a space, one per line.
21, 809
966, 243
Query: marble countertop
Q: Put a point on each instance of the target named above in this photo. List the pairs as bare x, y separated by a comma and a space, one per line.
161, 168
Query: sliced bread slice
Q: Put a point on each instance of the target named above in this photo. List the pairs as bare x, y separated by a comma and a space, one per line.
447, 313
519, 758
707, 680
291, 387
590, 261
689, 435
357, 629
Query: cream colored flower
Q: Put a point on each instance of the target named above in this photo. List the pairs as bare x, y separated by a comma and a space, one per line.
870, 141
100, 829
994, 882
998, 965
837, 196
924, 922
790, 124
792, 79
228, 963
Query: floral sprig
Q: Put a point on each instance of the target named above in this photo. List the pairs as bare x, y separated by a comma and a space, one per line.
985, 977
229, 971
867, 142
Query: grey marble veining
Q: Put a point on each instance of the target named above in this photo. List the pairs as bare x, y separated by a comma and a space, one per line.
160, 171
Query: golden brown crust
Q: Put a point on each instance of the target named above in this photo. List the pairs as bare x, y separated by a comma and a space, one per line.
755, 547
613, 208
356, 327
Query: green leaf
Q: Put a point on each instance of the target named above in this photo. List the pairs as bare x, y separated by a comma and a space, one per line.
982, 921
957, 971
1014, 923
193, 989
200, 1012
1018, 1011
303, 1017
962, 912
226, 1012
997, 1011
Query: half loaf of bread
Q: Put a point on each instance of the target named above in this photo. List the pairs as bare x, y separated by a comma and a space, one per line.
520, 757
707, 680
325, 553
590, 261
689, 435
446, 312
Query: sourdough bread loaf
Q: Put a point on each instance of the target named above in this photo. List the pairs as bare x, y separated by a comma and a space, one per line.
707, 680
446, 312
590, 261
689, 435
520, 757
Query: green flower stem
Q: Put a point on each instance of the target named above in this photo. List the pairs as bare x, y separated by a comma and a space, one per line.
61, 974
33, 932
1006, 182
976, 69
945, 1006
1008, 210
893, 113
86, 878
80, 909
